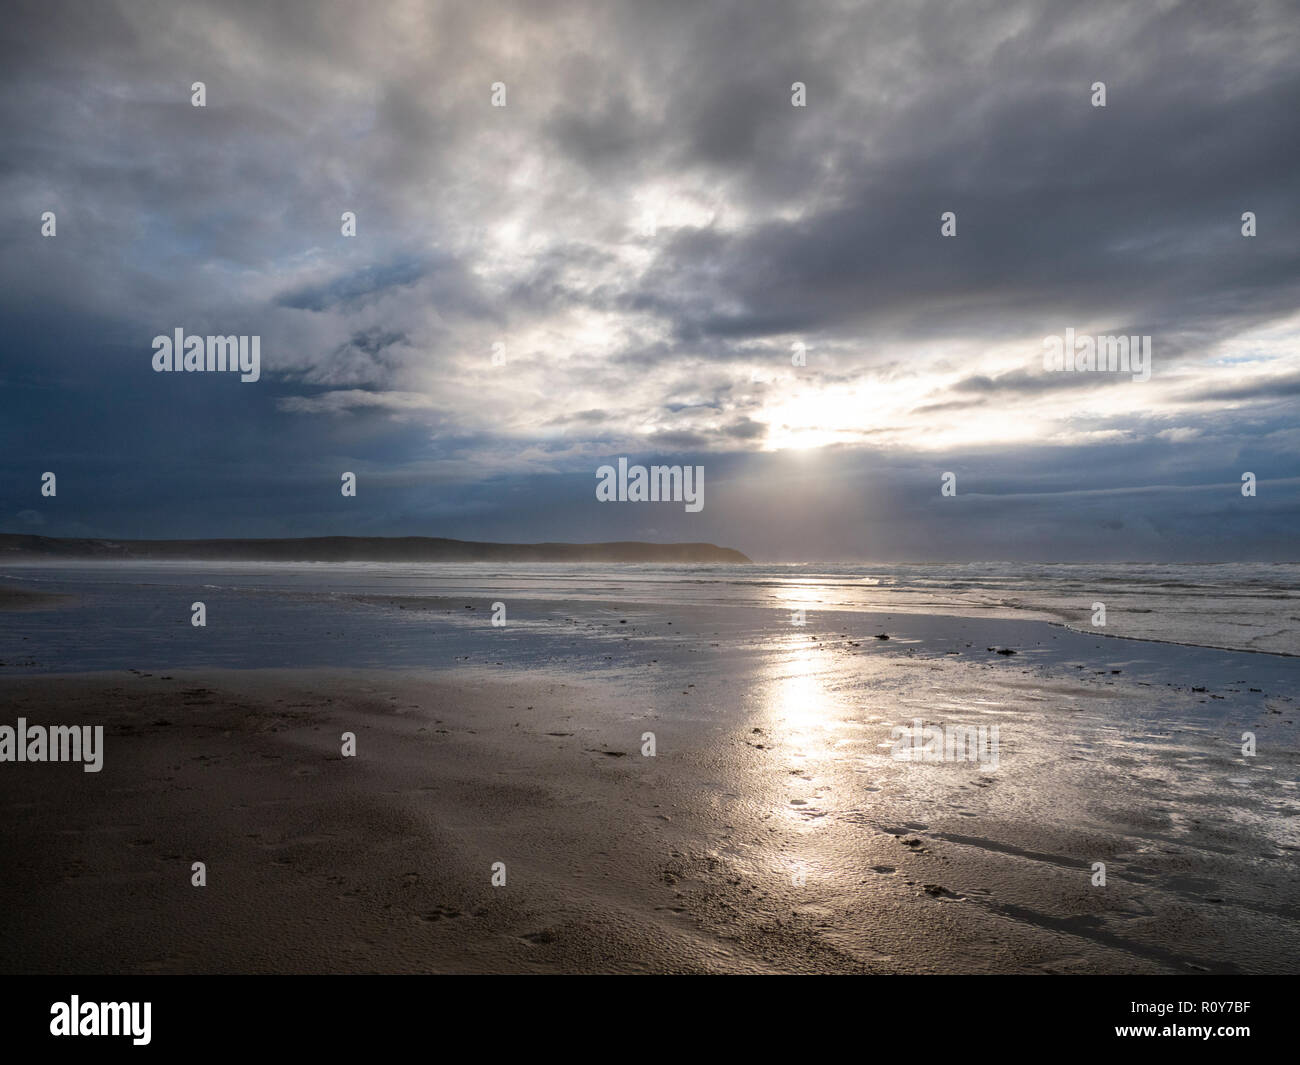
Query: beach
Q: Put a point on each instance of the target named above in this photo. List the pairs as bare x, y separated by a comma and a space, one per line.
783, 821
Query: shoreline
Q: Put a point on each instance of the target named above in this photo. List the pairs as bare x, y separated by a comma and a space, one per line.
1173, 643
1258, 620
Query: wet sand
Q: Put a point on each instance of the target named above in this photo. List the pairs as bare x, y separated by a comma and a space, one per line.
773, 830
15, 598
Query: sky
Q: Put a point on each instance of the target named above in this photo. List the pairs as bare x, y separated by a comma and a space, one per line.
646, 236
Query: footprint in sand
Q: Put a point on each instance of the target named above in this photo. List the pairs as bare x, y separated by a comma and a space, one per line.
439, 912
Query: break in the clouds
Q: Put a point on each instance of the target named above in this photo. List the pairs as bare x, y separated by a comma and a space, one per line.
642, 235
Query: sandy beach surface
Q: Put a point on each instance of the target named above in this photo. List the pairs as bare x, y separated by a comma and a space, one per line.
775, 828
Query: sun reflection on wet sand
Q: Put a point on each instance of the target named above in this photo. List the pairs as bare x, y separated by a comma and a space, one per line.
795, 695
816, 724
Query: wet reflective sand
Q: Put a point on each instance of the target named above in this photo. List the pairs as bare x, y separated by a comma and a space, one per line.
775, 829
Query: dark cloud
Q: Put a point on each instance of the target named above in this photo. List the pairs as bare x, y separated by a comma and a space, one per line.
643, 233
1271, 389
1023, 382
352, 290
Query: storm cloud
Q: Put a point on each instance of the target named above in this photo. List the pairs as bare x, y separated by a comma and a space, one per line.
650, 252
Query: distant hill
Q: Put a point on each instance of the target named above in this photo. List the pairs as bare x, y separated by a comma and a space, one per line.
359, 549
